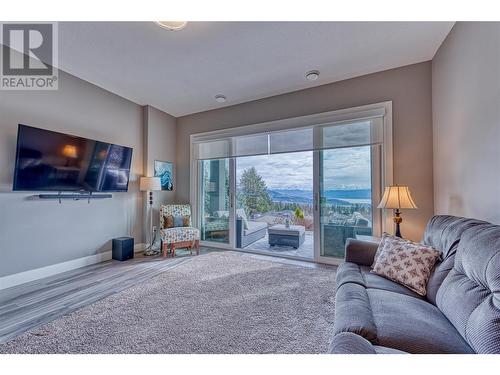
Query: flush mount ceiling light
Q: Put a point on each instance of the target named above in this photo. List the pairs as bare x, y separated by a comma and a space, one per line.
312, 75
220, 98
172, 25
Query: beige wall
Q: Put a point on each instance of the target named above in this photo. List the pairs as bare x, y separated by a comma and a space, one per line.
408, 87
159, 144
466, 119
36, 233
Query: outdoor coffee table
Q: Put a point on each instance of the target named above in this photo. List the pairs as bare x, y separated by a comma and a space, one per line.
281, 235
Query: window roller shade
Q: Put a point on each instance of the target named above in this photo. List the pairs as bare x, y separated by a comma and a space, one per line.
325, 136
291, 141
248, 145
360, 133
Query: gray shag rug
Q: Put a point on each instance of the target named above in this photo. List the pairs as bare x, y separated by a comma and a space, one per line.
220, 302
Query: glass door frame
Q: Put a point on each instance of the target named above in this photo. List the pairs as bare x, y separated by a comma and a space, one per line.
384, 158
378, 216
195, 208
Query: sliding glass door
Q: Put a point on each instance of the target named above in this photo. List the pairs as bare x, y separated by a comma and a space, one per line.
300, 192
215, 200
345, 198
274, 210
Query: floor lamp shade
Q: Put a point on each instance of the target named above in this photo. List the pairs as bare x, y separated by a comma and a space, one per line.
149, 184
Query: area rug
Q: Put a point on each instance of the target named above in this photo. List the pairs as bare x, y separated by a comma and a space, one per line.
221, 302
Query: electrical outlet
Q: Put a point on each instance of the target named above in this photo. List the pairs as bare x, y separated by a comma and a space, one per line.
154, 228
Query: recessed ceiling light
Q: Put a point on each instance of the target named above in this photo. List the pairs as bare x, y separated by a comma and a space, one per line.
172, 25
220, 98
312, 75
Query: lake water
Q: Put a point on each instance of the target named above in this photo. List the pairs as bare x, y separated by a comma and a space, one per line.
362, 201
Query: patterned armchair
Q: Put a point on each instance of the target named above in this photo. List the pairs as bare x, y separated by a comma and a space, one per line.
172, 238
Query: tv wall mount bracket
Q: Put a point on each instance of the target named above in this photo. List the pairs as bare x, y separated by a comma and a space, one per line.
87, 195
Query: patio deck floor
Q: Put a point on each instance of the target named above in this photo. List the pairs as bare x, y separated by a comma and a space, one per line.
306, 250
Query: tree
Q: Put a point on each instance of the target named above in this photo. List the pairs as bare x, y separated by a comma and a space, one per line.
299, 214
253, 192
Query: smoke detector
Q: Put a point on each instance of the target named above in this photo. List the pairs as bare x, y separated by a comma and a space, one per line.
312, 75
172, 25
220, 98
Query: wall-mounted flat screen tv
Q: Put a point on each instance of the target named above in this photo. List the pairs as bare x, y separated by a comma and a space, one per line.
52, 161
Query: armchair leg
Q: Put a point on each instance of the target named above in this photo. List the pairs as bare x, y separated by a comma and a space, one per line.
172, 249
197, 246
164, 247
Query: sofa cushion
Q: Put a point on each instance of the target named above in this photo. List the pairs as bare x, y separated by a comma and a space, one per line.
443, 232
222, 214
240, 214
438, 274
173, 210
470, 294
181, 234
413, 325
395, 321
254, 226
350, 343
353, 312
352, 273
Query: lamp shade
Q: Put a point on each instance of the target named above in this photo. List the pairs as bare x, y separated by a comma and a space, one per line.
150, 184
397, 197
70, 151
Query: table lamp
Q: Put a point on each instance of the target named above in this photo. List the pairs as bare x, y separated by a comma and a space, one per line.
397, 197
150, 184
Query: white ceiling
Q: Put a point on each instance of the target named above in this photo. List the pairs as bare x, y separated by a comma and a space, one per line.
181, 72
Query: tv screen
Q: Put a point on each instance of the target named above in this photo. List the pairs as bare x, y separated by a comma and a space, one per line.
51, 161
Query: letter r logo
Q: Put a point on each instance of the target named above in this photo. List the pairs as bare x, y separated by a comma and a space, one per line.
27, 49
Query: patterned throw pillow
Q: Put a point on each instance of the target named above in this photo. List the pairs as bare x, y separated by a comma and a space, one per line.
178, 221
186, 221
168, 221
405, 262
387, 239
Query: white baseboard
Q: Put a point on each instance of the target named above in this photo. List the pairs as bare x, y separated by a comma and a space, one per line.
39, 273
139, 248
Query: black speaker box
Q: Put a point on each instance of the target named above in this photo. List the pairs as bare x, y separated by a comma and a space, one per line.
123, 248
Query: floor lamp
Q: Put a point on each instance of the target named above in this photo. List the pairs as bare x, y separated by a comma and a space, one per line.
150, 184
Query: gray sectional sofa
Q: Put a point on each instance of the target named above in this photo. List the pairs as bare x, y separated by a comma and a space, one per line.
459, 314
246, 236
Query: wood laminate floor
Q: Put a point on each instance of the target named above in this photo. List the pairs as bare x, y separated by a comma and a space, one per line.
33, 304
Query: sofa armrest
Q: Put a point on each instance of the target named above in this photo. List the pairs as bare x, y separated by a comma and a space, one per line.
350, 343
360, 252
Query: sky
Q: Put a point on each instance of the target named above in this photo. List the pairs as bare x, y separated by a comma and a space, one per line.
347, 168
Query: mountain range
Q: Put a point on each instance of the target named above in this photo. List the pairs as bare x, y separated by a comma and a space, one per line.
306, 196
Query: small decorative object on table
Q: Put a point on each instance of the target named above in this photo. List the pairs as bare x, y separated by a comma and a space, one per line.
287, 222
397, 197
